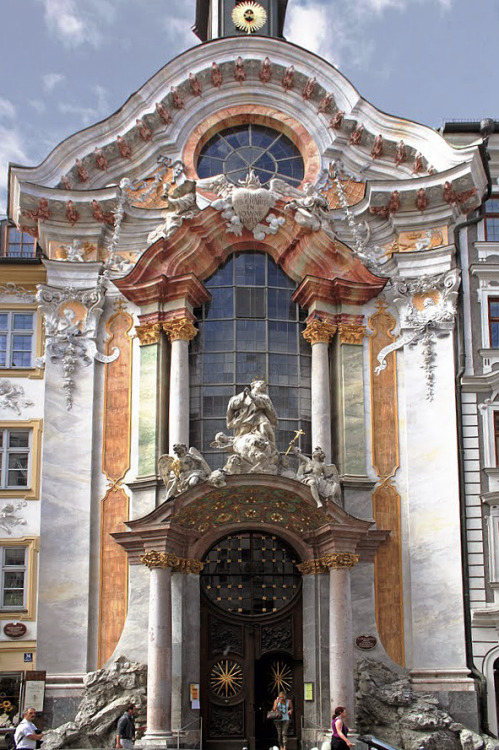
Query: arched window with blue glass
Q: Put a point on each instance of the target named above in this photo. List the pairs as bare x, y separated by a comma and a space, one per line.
241, 148
250, 329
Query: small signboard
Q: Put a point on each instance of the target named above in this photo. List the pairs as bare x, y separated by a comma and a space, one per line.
365, 642
194, 694
28, 657
34, 693
308, 691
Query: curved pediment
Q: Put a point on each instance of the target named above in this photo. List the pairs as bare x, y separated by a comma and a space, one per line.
74, 191
190, 522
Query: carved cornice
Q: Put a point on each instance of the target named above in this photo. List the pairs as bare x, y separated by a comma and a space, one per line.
148, 333
334, 560
180, 329
351, 333
319, 332
154, 559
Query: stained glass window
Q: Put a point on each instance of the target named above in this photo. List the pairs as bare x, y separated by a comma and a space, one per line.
236, 150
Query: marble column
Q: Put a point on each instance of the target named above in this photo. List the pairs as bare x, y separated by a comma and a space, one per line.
180, 331
159, 651
318, 333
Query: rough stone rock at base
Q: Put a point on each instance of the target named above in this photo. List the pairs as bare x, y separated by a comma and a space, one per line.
388, 709
106, 694
470, 741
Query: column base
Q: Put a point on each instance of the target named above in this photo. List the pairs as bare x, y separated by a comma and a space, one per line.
428, 680
155, 738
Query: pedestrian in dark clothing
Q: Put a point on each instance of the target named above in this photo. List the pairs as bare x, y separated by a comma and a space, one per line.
125, 733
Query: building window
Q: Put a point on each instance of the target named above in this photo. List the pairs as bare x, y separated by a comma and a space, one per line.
237, 150
13, 579
17, 244
250, 329
16, 338
14, 458
494, 322
492, 220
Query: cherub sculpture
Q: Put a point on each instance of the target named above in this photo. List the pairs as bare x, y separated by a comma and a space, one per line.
183, 470
323, 479
180, 204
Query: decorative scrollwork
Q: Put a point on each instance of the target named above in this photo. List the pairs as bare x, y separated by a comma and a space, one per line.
154, 559
226, 678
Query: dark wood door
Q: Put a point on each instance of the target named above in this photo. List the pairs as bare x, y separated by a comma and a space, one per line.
246, 658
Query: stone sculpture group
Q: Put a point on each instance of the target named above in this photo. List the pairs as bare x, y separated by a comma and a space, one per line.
252, 449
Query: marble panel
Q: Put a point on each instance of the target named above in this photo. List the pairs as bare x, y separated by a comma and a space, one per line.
133, 640
353, 410
191, 644
64, 573
433, 514
147, 410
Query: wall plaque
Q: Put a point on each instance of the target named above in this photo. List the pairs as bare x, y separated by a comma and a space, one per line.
15, 629
365, 642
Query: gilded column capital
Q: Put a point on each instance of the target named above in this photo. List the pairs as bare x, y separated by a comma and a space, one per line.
154, 559
148, 333
180, 329
335, 560
351, 333
319, 332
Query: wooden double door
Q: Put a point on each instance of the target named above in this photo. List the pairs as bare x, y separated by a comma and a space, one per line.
251, 641
243, 666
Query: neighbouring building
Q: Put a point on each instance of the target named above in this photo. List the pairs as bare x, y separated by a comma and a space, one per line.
247, 225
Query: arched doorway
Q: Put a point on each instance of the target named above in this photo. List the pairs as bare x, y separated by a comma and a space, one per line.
251, 639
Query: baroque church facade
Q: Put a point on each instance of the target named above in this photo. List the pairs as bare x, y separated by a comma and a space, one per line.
247, 395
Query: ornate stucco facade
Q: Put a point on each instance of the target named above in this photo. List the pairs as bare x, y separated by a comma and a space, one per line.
372, 239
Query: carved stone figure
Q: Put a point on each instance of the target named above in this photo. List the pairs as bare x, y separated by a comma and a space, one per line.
356, 136
400, 153
163, 113
323, 479
100, 160
252, 416
144, 132
325, 103
177, 98
9, 518
195, 84
180, 204
377, 149
312, 210
239, 71
183, 470
337, 120
216, 75
288, 78
12, 396
123, 147
266, 71
309, 89
82, 171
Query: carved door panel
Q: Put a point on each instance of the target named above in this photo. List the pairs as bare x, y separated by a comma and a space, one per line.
251, 640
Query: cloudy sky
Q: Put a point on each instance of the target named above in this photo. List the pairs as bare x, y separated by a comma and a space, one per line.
65, 64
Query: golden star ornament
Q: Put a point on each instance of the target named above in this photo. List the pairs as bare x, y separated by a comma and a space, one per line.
249, 16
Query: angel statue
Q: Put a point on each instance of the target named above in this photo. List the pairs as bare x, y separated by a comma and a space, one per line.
183, 470
180, 203
323, 479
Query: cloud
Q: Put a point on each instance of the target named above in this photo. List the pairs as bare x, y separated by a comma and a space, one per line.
11, 150
88, 115
51, 80
70, 23
7, 109
38, 106
336, 31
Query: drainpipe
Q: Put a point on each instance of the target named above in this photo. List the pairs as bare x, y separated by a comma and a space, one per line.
486, 128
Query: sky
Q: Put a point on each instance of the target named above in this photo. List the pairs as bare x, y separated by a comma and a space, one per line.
66, 64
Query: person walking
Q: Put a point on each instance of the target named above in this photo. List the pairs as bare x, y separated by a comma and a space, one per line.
26, 734
339, 740
283, 704
125, 734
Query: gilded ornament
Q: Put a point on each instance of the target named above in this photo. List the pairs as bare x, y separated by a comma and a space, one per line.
154, 559
180, 329
319, 332
334, 560
249, 16
351, 333
148, 333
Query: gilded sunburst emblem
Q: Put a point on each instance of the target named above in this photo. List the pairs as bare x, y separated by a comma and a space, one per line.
249, 16
281, 677
226, 678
